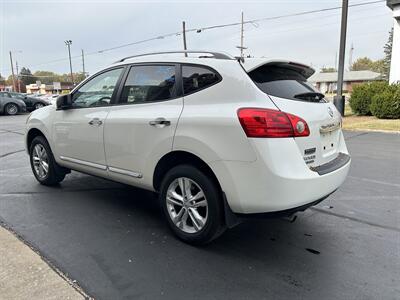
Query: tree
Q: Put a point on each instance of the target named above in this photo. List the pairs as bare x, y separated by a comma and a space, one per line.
46, 77
328, 70
26, 76
365, 63
9, 80
387, 49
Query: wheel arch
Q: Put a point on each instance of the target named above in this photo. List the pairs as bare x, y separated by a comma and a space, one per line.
32, 133
176, 158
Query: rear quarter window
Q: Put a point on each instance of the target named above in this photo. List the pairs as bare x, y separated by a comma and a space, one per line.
196, 78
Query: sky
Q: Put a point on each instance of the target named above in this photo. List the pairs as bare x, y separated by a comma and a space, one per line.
35, 31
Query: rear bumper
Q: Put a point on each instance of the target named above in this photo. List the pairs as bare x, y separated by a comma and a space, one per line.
281, 213
279, 180
341, 160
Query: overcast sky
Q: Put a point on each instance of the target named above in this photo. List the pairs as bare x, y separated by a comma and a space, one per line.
39, 29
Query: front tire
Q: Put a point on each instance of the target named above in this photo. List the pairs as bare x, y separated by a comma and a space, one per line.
43, 165
11, 109
38, 105
192, 204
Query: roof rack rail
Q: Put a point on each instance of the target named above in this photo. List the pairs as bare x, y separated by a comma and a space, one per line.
216, 55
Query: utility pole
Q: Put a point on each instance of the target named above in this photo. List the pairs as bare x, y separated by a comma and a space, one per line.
68, 43
83, 64
19, 82
12, 72
241, 38
335, 66
184, 37
241, 47
351, 56
339, 99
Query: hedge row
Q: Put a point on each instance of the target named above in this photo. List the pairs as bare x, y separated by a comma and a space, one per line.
377, 98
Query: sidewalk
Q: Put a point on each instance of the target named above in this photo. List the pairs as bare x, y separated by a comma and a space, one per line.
24, 275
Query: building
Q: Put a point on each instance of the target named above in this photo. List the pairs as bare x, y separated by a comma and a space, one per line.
394, 75
5, 88
326, 83
65, 87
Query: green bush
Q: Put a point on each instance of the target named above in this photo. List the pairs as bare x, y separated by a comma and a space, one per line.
386, 105
362, 95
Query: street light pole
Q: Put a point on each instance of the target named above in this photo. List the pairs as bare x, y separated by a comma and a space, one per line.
68, 43
12, 72
339, 99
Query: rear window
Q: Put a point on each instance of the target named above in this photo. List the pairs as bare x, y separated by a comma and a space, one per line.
284, 83
148, 84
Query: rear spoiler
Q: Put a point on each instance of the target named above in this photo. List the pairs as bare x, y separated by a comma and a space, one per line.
251, 64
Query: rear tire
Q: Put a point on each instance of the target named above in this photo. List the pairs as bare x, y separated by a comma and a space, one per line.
11, 109
196, 215
43, 165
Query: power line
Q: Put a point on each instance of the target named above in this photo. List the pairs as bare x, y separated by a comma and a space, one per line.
198, 30
287, 15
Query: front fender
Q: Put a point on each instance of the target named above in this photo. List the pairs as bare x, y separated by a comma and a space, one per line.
42, 120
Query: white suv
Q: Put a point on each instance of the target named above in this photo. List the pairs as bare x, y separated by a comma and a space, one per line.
219, 138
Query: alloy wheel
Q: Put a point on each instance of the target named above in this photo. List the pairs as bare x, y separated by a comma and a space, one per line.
12, 109
187, 205
39, 105
40, 161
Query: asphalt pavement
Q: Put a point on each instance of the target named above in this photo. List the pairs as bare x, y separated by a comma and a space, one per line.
113, 241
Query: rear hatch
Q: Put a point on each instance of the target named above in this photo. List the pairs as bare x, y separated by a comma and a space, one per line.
286, 85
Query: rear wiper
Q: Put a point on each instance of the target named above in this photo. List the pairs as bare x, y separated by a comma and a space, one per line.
312, 96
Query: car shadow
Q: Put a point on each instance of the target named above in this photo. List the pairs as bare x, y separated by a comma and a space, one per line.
113, 239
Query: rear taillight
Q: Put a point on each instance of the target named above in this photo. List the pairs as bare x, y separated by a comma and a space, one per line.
260, 122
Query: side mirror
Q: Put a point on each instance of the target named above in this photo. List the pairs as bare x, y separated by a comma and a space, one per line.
64, 102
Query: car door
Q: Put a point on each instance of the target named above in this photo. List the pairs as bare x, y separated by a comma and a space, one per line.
141, 126
27, 100
78, 131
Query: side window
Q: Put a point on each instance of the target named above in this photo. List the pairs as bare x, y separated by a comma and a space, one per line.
17, 96
5, 94
197, 78
97, 91
148, 84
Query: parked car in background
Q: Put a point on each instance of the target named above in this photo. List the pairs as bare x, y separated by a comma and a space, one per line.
11, 106
220, 139
31, 103
52, 99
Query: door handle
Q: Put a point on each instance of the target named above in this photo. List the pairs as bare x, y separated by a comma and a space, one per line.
95, 121
160, 122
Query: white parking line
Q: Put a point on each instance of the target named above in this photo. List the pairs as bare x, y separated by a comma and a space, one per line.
375, 181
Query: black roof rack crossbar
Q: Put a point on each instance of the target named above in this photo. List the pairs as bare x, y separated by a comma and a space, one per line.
216, 55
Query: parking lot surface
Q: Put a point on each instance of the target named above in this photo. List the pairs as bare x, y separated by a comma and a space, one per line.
113, 240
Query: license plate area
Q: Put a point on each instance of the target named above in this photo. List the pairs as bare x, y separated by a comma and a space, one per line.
329, 142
